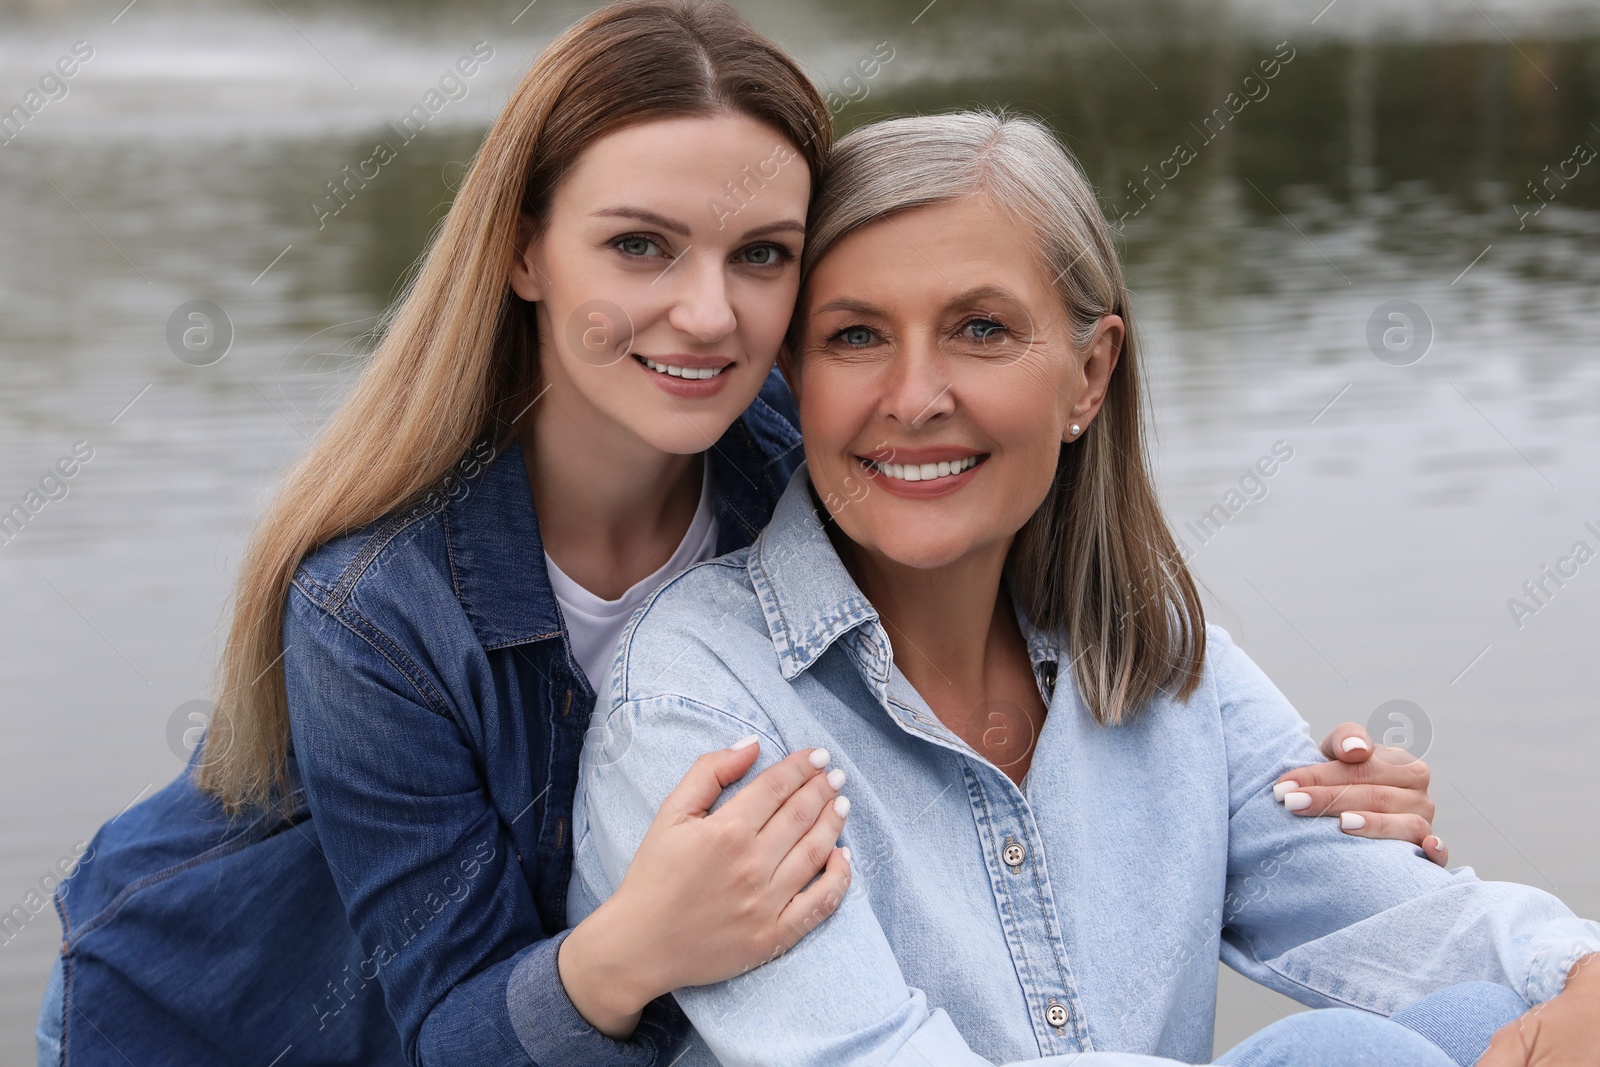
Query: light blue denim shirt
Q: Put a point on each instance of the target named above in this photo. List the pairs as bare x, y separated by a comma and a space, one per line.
1082, 912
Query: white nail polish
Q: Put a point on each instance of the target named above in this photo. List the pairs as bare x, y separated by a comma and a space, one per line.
1282, 788
844, 851
743, 742
1351, 821
819, 757
841, 806
1438, 845
1353, 743
1297, 801
836, 779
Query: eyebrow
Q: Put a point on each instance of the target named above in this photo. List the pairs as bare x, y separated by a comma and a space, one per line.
782, 226
971, 296
981, 293
845, 303
673, 226
670, 225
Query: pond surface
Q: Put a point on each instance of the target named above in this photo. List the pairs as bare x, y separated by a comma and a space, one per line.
1270, 224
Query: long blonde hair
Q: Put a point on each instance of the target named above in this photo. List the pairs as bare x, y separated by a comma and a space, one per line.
458, 356
1096, 562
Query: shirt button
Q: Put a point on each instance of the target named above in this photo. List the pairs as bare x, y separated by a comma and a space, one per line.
1013, 855
1055, 1015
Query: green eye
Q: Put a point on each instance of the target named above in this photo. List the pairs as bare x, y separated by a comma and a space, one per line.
634, 246
766, 255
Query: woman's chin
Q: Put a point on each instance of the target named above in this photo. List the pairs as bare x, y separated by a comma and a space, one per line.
920, 551
685, 433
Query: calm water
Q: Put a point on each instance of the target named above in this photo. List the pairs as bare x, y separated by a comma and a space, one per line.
1389, 158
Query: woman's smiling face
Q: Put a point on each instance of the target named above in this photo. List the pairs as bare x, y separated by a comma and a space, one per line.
666, 275
937, 380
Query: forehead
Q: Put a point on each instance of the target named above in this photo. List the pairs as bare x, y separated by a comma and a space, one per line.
691, 160
930, 255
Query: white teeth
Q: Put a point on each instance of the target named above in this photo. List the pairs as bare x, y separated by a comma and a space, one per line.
683, 372
923, 472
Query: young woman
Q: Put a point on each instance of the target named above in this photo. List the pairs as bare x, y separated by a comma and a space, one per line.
975, 532
369, 860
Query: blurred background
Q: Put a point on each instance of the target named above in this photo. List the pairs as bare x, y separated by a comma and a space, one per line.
1384, 259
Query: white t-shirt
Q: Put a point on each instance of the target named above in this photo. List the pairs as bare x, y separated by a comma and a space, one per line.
595, 625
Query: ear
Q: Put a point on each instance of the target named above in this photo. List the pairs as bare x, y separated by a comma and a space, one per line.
1100, 359
527, 280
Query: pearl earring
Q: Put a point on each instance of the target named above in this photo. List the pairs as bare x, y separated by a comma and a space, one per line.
1076, 429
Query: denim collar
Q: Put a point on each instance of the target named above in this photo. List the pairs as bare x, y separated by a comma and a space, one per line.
496, 553
807, 597
810, 601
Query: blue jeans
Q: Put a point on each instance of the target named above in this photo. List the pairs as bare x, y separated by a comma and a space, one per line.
1448, 1028
49, 1031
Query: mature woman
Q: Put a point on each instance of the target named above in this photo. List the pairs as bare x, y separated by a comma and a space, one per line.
1060, 779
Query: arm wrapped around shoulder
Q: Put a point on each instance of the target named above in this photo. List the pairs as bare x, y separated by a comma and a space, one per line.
1332, 920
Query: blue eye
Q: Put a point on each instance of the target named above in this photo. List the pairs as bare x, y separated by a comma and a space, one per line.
855, 336
983, 329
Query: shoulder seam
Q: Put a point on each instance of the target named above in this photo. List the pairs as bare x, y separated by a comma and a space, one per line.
366, 630
379, 540
697, 705
625, 642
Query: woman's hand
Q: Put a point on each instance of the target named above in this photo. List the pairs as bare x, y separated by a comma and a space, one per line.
1376, 791
708, 897
1564, 1031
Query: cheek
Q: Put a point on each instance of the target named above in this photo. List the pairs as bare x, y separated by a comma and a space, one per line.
594, 319
822, 439
832, 413
835, 400
1038, 449
1025, 425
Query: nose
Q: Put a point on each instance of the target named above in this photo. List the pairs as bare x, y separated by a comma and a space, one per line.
700, 307
916, 388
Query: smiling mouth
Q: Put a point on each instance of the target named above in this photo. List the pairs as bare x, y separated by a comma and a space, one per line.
923, 472
674, 371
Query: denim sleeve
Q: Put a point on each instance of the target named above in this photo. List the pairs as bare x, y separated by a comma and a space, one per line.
1333, 920
839, 995
430, 882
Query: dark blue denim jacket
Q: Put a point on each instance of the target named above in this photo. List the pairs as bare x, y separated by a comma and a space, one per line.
437, 715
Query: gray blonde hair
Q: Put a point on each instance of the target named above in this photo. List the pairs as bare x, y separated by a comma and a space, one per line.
1097, 562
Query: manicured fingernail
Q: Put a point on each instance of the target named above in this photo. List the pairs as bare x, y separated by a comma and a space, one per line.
1353, 743
743, 742
819, 757
1438, 845
1297, 801
1351, 821
841, 805
1282, 788
844, 850
836, 779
